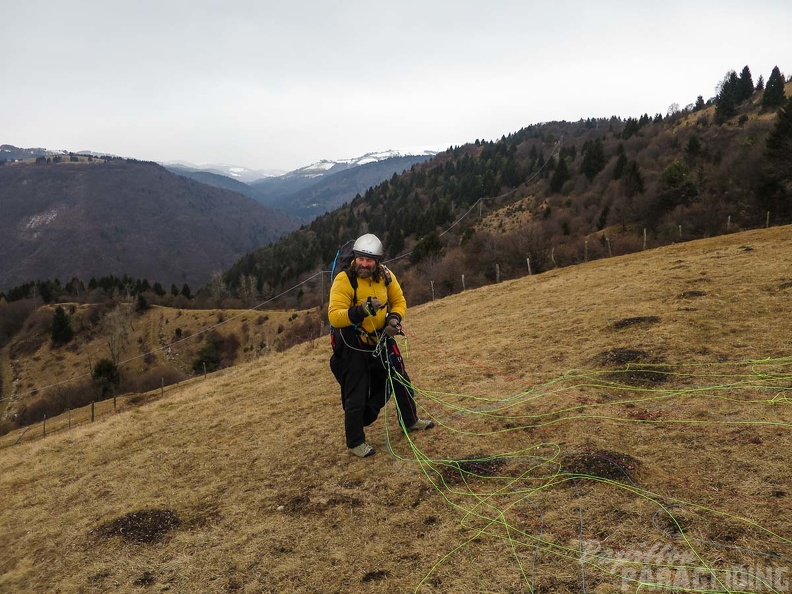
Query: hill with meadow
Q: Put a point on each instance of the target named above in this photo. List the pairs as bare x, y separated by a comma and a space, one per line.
622, 423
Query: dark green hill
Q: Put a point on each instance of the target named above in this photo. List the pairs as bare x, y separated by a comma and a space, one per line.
91, 219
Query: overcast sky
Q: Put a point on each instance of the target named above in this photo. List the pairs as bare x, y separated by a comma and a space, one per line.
280, 85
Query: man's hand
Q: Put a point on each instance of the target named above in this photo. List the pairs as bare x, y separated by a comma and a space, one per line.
392, 328
372, 305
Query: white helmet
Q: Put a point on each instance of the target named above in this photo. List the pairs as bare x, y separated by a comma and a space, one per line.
368, 245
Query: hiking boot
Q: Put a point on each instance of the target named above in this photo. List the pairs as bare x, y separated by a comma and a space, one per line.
420, 425
363, 450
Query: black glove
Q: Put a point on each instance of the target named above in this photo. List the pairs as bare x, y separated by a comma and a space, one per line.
358, 313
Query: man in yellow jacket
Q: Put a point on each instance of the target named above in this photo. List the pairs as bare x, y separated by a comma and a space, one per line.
366, 309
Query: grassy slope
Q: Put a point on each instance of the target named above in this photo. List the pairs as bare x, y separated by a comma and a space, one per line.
253, 463
173, 338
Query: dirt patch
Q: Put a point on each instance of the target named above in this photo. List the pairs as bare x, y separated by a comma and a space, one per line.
640, 320
146, 526
639, 368
692, 294
374, 576
621, 356
145, 579
471, 467
603, 464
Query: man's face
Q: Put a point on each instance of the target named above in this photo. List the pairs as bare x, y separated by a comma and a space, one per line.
365, 266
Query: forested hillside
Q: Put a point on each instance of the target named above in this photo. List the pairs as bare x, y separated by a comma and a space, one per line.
558, 193
79, 217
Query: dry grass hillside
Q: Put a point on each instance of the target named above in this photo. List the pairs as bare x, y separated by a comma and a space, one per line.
619, 425
158, 345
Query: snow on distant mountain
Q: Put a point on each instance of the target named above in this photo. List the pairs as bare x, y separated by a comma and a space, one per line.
236, 172
325, 166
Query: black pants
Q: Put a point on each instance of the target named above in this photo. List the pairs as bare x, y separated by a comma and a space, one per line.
364, 383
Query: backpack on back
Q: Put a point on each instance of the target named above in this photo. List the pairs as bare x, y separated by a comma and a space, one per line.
343, 259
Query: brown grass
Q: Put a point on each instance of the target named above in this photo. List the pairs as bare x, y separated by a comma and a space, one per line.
163, 343
542, 456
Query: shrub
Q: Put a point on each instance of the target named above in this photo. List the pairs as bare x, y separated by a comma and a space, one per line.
106, 375
220, 351
62, 331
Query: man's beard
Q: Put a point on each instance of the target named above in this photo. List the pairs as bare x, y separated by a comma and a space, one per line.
364, 272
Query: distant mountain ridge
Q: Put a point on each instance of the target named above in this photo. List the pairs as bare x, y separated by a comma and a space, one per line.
322, 187
91, 219
236, 172
312, 190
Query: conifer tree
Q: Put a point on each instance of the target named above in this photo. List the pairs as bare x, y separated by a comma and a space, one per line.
632, 180
774, 90
593, 158
745, 87
560, 176
760, 83
775, 192
726, 106
61, 327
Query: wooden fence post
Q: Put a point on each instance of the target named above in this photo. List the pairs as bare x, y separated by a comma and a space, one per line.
497, 273
162, 387
431, 283
767, 224
45, 425
585, 251
644, 242
463, 282
529, 266
93, 411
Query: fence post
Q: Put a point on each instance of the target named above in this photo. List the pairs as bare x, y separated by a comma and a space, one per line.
767, 224
585, 251
497, 273
552, 256
431, 283
463, 282
45, 425
610, 252
92, 411
69, 418
728, 224
204, 367
644, 243
529, 266
680, 231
